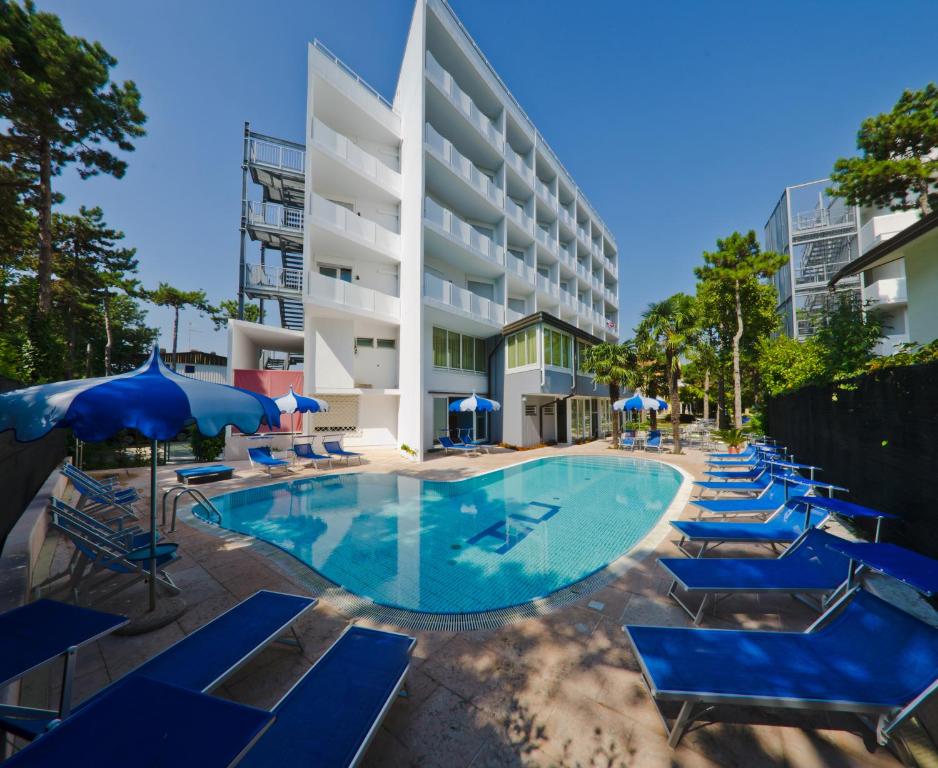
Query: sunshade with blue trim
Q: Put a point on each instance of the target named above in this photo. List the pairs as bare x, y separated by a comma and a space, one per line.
638, 402
294, 403
475, 403
155, 401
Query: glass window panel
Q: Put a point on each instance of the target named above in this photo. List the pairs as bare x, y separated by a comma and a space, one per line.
452, 344
555, 345
362, 342
532, 346
513, 351
547, 355
481, 357
468, 353
439, 347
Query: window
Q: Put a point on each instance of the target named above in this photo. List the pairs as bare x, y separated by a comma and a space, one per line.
338, 273
581, 347
557, 348
362, 342
386, 343
457, 351
485, 290
522, 348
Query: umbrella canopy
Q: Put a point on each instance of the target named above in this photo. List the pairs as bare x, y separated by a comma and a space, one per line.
662, 404
475, 403
637, 402
294, 403
152, 399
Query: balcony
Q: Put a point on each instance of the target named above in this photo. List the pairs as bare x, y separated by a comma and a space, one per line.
821, 218
567, 220
512, 317
543, 192
516, 266
583, 235
350, 228
263, 281
599, 319
597, 283
887, 290
611, 266
462, 166
546, 286
546, 239
516, 162
444, 295
465, 234
568, 300
610, 296
276, 156
461, 100
273, 216
568, 256
582, 272
586, 311
881, 228
332, 293
517, 213
344, 149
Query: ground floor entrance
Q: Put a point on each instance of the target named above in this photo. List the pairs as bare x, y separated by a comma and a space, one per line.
464, 426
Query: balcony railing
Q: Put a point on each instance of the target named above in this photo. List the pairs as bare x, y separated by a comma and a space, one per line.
356, 227
597, 283
585, 309
598, 319
610, 296
611, 266
583, 234
567, 299
512, 316
275, 155
546, 285
355, 297
448, 296
445, 82
270, 279
518, 267
582, 271
517, 162
822, 217
518, 214
273, 216
546, 239
351, 73
450, 223
463, 166
887, 290
362, 161
568, 256
545, 194
883, 227
567, 219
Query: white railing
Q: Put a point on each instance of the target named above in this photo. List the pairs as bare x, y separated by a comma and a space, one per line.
610, 296
276, 155
443, 293
597, 251
822, 217
517, 162
883, 227
597, 283
546, 239
463, 102
546, 285
544, 191
355, 156
336, 216
468, 235
568, 299
583, 234
323, 288
518, 267
887, 290
585, 309
582, 271
611, 266
351, 73
519, 215
512, 316
598, 319
568, 256
273, 216
462, 165
567, 219
273, 279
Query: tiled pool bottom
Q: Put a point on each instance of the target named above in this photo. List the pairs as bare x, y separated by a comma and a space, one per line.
501, 539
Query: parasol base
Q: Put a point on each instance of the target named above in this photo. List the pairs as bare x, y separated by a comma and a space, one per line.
133, 604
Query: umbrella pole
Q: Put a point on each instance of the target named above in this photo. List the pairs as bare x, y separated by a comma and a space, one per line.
153, 462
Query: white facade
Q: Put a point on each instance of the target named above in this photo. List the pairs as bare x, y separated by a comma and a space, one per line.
884, 286
444, 210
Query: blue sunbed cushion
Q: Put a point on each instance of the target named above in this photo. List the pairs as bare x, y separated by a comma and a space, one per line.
146, 724
328, 714
845, 508
38, 632
784, 527
809, 567
718, 506
214, 469
871, 654
904, 565
201, 658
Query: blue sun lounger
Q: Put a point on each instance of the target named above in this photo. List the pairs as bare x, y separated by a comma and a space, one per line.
305, 451
773, 499
848, 509
205, 658
449, 445
334, 448
330, 716
130, 537
862, 656
262, 457
807, 567
141, 722
784, 527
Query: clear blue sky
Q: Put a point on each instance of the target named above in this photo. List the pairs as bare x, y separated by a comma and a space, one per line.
681, 121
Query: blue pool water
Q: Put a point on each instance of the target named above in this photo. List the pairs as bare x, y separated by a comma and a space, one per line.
490, 541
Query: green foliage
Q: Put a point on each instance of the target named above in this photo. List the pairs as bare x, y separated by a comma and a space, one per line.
166, 295
228, 310
847, 336
734, 438
206, 448
908, 354
786, 364
610, 364
898, 167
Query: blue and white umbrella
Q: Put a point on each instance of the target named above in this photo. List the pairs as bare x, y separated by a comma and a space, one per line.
155, 401
473, 404
662, 404
291, 403
637, 402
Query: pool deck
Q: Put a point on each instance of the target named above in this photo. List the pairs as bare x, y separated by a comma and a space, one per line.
559, 690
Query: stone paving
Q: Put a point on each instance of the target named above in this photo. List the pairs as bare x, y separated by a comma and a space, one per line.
560, 690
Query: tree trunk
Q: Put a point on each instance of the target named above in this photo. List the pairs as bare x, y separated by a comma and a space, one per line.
613, 396
108, 335
44, 270
706, 394
175, 334
737, 379
674, 376
721, 397
923, 200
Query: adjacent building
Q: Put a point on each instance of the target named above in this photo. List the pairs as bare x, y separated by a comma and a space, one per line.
408, 245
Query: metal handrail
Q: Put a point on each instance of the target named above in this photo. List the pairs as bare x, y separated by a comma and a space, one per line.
199, 497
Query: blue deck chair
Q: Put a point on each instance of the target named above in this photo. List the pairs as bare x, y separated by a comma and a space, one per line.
808, 567
100, 554
748, 474
764, 505
262, 457
784, 527
305, 451
334, 448
627, 440
106, 491
206, 657
114, 502
466, 439
448, 445
653, 443
862, 656
753, 487
130, 537
330, 716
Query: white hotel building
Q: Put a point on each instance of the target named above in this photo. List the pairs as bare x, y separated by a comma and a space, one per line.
409, 234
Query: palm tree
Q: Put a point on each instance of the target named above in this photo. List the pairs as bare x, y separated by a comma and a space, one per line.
672, 324
610, 364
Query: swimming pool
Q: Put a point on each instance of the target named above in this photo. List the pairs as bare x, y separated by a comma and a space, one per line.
495, 540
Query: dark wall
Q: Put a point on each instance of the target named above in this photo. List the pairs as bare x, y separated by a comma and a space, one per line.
24, 467
876, 435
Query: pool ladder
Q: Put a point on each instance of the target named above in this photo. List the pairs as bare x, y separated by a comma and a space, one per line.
200, 499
